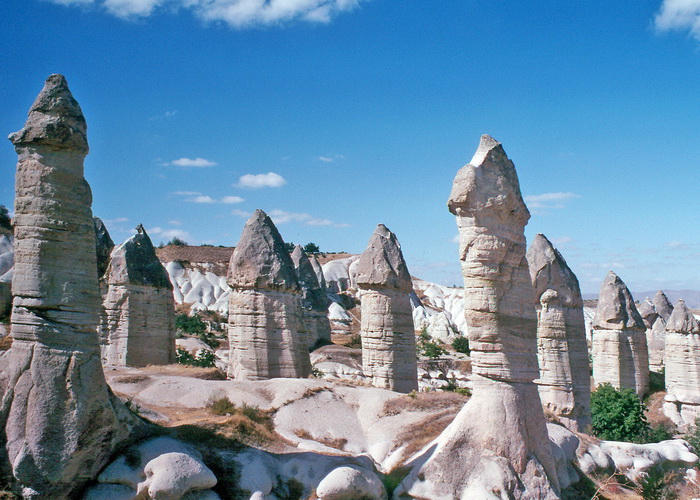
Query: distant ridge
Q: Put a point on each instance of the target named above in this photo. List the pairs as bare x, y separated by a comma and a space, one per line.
691, 297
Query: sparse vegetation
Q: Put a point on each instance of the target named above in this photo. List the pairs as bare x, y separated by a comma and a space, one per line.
5, 221
461, 344
337, 443
177, 242
291, 489
355, 342
311, 248
132, 379
190, 324
428, 347
203, 359
221, 406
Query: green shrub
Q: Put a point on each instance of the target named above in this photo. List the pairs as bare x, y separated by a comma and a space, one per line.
427, 346
311, 248
461, 344
619, 415
693, 436
221, 406
355, 341
203, 359
190, 324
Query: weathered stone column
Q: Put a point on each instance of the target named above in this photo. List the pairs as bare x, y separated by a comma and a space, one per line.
313, 300
497, 446
388, 336
60, 419
682, 366
619, 344
265, 329
139, 306
565, 382
656, 334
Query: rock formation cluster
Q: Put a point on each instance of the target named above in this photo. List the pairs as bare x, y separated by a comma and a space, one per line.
565, 383
682, 366
139, 310
388, 336
497, 446
619, 345
61, 422
265, 329
313, 300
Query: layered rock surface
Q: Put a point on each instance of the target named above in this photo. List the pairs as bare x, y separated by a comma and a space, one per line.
265, 329
682, 366
139, 326
61, 422
7, 261
388, 336
619, 345
313, 300
656, 334
497, 446
564, 383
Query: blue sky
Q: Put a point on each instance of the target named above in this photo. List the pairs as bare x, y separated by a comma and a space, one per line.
336, 115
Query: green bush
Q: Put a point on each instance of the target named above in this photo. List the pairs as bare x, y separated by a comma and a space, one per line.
190, 324
461, 344
221, 406
5, 222
203, 359
427, 346
619, 415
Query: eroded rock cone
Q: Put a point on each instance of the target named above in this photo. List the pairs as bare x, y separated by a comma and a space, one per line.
648, 312
139, 327
656, 334
662, 305
497, 446
564, 383
619, 345
313, 300
388, 336
60, 419
682, 366
265, 324
103, 246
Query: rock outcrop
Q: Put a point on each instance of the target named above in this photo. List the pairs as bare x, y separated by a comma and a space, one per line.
61, 422
565, 383
388, 336
656, 333
313, 300
662, 306
103, 246
619, 345
139, 327
265, 315
682, 366
7, 262
497, 446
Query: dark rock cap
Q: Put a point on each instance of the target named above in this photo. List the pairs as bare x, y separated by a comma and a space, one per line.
382, 264
682, 320
648, 312
103, 246
616, 309
261, 260
135, 262
662, 305
488, 185
55, 120
312, 295
549, 270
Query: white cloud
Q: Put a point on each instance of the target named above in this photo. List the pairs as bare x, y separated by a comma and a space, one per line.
455, 238
118, 220
282, 217
257, 181
563, 240
241, 213
175, 223
331, 159
549, 200
191, 162
168, 234
201, 199
167, 114
232, 199
186, 193
676, 245
235, 13
679, 15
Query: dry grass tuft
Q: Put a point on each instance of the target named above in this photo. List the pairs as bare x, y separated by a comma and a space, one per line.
132, 379
425, 401
337, 443
5, 343
188, 371
423, 432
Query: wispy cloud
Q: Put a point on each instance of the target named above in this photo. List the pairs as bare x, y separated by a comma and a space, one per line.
257, 181
455, 238
197, 197
677, 15
563, 240
236, 13
168, 234
232, 199
241, 213
331, 159
283, 217
175, 223
167, 114
190, 163
201, 199
118, 220
187, 193
676, 245
549, 200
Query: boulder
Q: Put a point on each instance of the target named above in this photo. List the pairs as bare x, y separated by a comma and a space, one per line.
619, 345
682, 366
313, 300
386, 329
61, 421
564, 383
139, 319
497, 446
265, 329
350, 483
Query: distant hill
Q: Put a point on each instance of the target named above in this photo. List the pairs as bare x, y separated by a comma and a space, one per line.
691, 297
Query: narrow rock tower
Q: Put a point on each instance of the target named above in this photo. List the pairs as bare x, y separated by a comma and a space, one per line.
313, 300
497, 446
682, 363
619, 345
103, 246
565, 382
265, 316
61, 422
139, 306
388, 336
656, 335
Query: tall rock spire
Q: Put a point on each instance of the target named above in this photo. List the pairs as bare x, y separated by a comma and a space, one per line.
498, 441
565, 382
619, 344
388, 336
313, 300
265, 315
61, 421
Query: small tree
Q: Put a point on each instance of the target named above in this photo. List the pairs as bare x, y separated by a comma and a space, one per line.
618, 415
177, 242
461, 344
289, 246
311, 248
5, 221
